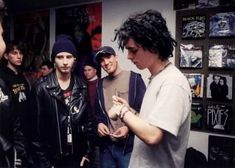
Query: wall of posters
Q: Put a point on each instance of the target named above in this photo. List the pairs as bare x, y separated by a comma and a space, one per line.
206, 51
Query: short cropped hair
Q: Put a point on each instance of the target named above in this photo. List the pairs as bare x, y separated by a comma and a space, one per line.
149, 30
47, 63
10, 46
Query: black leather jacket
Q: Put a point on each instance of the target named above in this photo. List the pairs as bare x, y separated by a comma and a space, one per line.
11, 135
50, 120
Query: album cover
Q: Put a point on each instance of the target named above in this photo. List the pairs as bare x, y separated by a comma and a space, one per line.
196, 84
197, 112
190, 56
219, 117
222, 24
193, 27
219, 87
221, 56
207, 3
221, 152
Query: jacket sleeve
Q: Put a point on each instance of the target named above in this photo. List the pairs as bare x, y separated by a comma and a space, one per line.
99, 113
38, 152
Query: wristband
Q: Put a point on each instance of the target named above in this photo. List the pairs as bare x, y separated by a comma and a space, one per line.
122, 113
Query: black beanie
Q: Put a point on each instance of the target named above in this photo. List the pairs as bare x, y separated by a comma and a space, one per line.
63, 43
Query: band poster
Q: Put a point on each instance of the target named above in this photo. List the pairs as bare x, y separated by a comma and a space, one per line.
83, 23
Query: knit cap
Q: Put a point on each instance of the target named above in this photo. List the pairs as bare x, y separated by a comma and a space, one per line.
63, 43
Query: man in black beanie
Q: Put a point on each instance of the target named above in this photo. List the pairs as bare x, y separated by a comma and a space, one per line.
61, 131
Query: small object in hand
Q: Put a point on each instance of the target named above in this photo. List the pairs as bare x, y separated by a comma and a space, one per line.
114, 112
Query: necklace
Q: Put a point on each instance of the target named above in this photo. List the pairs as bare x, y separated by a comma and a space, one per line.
164, 67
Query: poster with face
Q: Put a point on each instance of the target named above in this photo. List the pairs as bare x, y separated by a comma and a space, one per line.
32, 29
83, 24
219, 87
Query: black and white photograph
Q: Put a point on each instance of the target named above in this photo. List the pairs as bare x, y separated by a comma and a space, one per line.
219, 87
190, 56
222, 24
221, 56
219, 117
197, 112
196, 84
221, 152
193, 27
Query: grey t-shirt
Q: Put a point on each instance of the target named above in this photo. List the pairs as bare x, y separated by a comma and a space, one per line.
116, 85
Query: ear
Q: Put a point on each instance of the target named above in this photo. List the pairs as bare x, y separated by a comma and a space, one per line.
6, 56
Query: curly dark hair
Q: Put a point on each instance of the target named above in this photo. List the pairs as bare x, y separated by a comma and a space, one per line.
149, 30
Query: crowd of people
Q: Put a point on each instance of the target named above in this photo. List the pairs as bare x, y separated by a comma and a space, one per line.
64, 120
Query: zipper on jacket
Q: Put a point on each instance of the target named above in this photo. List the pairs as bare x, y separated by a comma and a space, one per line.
58, 128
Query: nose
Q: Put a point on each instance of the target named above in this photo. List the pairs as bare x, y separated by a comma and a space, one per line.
65, 61
129, 56
105, 60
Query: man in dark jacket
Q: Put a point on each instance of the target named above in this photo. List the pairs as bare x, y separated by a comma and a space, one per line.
17, 83
60, 127
11, 136
117, 139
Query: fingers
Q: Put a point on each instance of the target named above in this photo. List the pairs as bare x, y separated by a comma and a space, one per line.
103, 130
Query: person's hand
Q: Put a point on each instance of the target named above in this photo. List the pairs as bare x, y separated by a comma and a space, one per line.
114, 111
120, 133
103, 130
119, 101
84, 161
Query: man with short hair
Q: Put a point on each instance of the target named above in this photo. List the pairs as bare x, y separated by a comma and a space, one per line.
90, 75
61, 130
11, 135
116, 138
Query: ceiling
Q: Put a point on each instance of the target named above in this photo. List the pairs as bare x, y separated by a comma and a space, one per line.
20, 6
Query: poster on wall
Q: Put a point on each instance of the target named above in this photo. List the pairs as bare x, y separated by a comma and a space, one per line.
221, 152
222, 24
83, 23
197, 113
190, 56
193, 27
32, 29
196, 84
221, 56
219, 117
219, 87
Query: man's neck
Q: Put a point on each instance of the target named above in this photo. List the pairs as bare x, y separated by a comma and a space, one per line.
118, 71
63, 79
94, 78
12, 67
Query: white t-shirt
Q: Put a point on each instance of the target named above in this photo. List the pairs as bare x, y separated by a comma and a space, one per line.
166, 104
